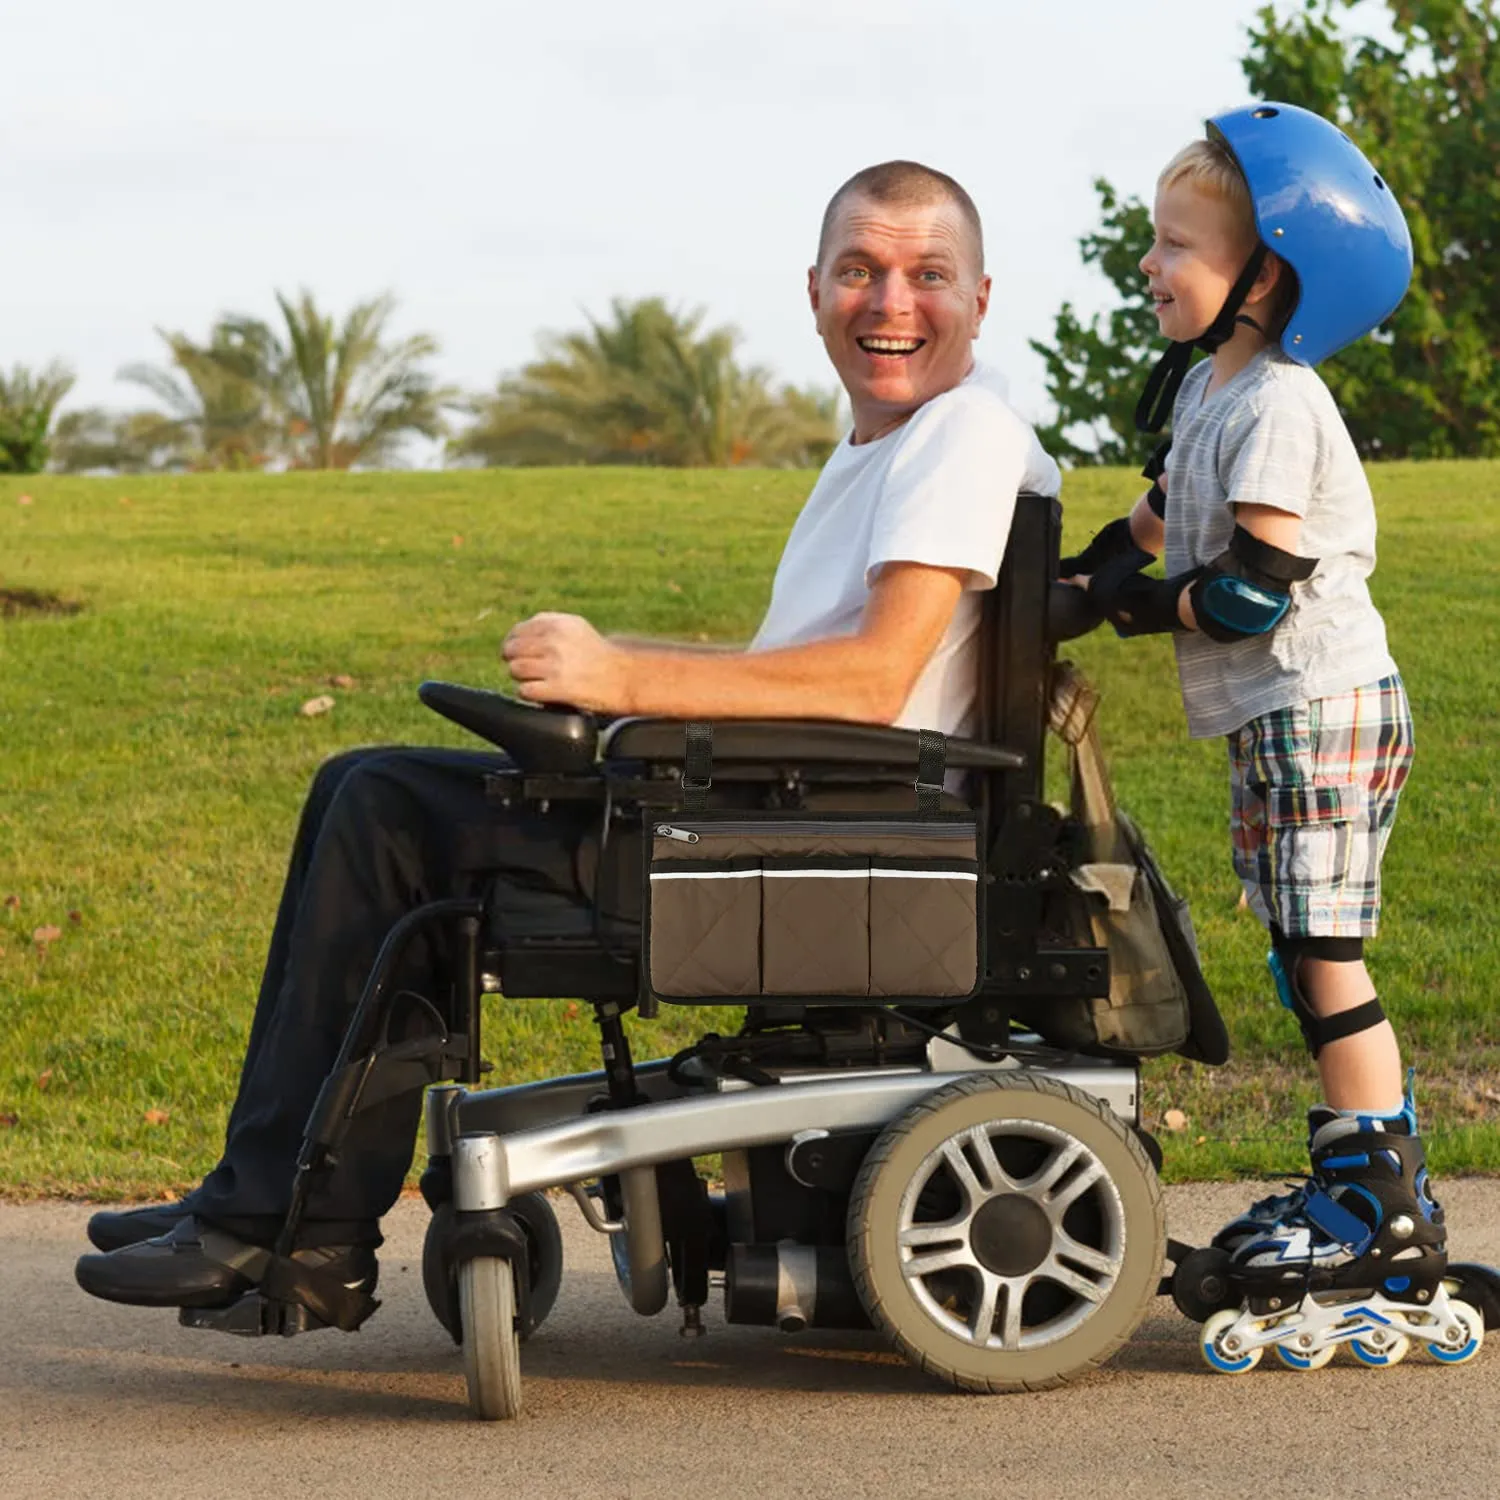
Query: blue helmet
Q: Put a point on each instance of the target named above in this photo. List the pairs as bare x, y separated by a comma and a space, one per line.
1329, 215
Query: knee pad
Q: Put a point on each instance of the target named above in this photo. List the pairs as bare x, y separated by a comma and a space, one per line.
1285, 959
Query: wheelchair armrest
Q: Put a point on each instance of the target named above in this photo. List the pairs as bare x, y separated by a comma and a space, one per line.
562, 740
792, 741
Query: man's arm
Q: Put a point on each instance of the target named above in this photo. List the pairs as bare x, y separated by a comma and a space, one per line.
676, 648
865, 677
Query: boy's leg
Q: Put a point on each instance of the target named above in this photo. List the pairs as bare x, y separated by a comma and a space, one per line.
1315, 791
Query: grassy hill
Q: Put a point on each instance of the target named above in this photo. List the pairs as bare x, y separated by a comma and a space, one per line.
152, 761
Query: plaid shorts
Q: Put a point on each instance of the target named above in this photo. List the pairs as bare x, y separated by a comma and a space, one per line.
1313, 791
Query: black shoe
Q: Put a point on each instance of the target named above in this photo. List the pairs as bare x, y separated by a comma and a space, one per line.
110, 1229
175, 1271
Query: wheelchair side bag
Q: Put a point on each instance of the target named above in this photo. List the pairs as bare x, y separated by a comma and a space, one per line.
812, 906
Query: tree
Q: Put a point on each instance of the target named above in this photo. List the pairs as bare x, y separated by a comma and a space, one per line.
1426, 110
337, 396
137, 442
215, 418
1094, 373
28, 404
648, 387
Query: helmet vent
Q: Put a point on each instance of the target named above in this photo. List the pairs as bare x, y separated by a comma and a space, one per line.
1379, 183
1265, 112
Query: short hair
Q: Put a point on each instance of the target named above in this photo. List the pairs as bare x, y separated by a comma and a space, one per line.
903, 184
1210, 166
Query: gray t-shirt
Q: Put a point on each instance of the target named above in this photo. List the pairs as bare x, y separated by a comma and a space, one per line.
1273, 436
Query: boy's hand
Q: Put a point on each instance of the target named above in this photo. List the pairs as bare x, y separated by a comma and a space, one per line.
561, 658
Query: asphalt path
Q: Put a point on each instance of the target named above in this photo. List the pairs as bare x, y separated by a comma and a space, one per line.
116, 1402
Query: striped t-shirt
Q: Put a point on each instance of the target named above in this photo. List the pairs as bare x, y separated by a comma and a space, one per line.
1273, 436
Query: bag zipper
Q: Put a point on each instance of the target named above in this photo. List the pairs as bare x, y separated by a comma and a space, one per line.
687, 835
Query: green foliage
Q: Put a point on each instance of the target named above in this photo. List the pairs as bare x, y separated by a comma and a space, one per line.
28, 403
155, 762
649, 387
1426, 110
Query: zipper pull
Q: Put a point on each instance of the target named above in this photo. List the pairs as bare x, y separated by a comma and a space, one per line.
666, 831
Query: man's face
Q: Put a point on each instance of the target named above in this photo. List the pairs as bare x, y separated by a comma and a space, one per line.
1198, 253
898, 298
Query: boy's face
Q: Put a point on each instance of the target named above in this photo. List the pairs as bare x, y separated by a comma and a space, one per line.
1198, 253
898, 297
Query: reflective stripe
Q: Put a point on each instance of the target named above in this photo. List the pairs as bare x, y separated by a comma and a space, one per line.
708, 875
921, 875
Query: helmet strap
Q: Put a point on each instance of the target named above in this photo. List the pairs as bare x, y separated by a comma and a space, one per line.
1164, 381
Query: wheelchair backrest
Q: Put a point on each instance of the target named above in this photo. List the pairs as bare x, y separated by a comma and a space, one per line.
1016, 651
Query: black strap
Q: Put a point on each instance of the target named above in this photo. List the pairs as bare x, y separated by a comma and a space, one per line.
1344, 1023
1163, 383
932, 762
698, 767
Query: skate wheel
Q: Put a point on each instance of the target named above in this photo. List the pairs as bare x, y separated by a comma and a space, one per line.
1470, 1325
1295, 1361
1391, 1350
1226, 1360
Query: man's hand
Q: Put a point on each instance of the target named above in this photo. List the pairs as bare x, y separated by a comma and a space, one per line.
558, 658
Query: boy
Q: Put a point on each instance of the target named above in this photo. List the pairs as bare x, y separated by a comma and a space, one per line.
1276, 244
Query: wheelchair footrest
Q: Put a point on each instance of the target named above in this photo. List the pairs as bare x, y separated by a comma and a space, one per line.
254, 1315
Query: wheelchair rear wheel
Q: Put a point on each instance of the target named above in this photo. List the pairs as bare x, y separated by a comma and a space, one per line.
1007, 1232
492, 1348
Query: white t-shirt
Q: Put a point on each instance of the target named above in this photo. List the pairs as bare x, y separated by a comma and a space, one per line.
940, 490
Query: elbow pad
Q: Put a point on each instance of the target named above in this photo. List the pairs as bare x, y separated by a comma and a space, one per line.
1247, 589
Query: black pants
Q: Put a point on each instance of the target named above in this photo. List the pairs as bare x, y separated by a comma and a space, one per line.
382, 831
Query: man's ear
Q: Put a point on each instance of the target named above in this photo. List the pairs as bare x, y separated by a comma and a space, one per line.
981, 304
812, 288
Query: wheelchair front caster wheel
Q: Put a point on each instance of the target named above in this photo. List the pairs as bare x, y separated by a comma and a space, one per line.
544, 1242
492, 1348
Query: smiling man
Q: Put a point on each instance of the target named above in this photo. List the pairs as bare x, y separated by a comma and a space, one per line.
873, 618
875, 608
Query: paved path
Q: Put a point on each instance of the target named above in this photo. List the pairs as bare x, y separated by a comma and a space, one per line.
103, 1401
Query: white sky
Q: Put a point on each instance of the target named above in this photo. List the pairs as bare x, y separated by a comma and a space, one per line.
504, 166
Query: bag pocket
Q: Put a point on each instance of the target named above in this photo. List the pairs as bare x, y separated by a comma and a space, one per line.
924, 927
815, 925
705, 928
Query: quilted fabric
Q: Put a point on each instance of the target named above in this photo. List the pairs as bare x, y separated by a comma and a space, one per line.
815, 934
922, 936
705, 937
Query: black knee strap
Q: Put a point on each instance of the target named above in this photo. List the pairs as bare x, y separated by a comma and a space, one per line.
1318, 1031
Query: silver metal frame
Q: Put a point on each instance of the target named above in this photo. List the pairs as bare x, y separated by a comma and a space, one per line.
558, 1144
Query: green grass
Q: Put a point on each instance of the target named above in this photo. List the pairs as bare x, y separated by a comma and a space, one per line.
152, 761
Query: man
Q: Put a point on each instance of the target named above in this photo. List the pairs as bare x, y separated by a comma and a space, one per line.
873, 618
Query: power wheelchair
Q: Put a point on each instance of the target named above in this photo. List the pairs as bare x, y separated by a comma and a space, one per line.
984, 1196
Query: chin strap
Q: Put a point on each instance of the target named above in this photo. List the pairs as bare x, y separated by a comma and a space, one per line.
1155, 405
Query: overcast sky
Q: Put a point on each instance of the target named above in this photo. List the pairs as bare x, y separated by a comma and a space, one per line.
504, 167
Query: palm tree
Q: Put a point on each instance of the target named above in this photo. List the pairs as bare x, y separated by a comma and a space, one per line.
648, 387
28, 403
338, 396
215, 418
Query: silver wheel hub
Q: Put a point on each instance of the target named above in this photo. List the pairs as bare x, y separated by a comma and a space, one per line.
1035, 1245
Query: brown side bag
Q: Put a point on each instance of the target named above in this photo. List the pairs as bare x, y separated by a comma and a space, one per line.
812, 906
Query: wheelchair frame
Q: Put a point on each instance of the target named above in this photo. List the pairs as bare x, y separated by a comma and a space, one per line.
814, 1108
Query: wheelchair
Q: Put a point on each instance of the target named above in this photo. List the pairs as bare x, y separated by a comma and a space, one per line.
946, 1173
